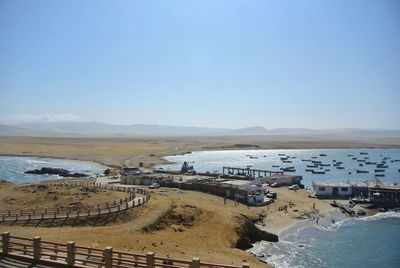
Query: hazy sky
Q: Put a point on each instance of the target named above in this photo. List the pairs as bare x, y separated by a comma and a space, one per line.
313, 64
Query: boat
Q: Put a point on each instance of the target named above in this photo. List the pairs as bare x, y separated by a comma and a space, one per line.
318, 172
362, 171
284, 158
379, 170
314, 157
364, 153
380, 175
274, 166
322, 154
361, 165
327, 170
354, 158
286, 161
253, 157
339, 167
288, 170
306, 160
312, 166
350, 155
370, 163
382, 166
309, 170
281, 154
316, 162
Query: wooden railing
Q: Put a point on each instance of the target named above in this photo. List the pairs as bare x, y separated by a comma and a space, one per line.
101, 209
57, 254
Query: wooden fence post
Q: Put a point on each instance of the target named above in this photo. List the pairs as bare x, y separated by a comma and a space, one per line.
71, 253
108, 257
150, 259
36, 248
5, 238
196, 262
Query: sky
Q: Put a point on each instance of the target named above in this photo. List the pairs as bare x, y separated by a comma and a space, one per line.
298, 64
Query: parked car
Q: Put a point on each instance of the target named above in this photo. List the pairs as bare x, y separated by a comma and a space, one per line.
272, 195
154, 185
275, 184
294, 187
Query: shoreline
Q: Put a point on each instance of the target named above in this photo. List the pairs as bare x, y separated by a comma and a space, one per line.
262, 250
93, 167
58, 158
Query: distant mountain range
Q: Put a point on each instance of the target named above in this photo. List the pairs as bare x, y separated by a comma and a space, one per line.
97, 129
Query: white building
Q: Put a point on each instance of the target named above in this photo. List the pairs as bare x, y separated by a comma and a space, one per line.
332, 189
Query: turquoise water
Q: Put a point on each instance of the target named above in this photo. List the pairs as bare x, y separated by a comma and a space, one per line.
364, 242
213, 161
12, 168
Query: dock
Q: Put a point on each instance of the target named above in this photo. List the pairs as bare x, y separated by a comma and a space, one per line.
249, 172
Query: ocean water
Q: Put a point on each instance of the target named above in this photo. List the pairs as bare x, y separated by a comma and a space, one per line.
367, 242
348, 242
213, 161
12, 168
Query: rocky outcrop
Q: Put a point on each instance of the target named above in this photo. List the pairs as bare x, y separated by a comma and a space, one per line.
55, 171
250, 234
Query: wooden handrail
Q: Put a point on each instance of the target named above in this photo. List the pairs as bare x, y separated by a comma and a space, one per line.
83, 255
110, 208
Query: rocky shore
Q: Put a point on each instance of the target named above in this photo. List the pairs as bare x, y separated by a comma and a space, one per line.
55, 171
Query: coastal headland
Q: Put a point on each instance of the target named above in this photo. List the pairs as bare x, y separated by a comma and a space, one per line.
116, 152
178, 223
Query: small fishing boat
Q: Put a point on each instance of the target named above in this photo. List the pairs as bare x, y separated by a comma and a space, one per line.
306, 160
318, 172
322, 154
370, 163
281, 154
274, 166
286, 161
380, 175
312, 166
362, 171
382, 166
379, 170
339, 167
309, 170
364, 153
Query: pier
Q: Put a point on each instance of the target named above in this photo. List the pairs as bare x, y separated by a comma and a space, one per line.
249, 172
